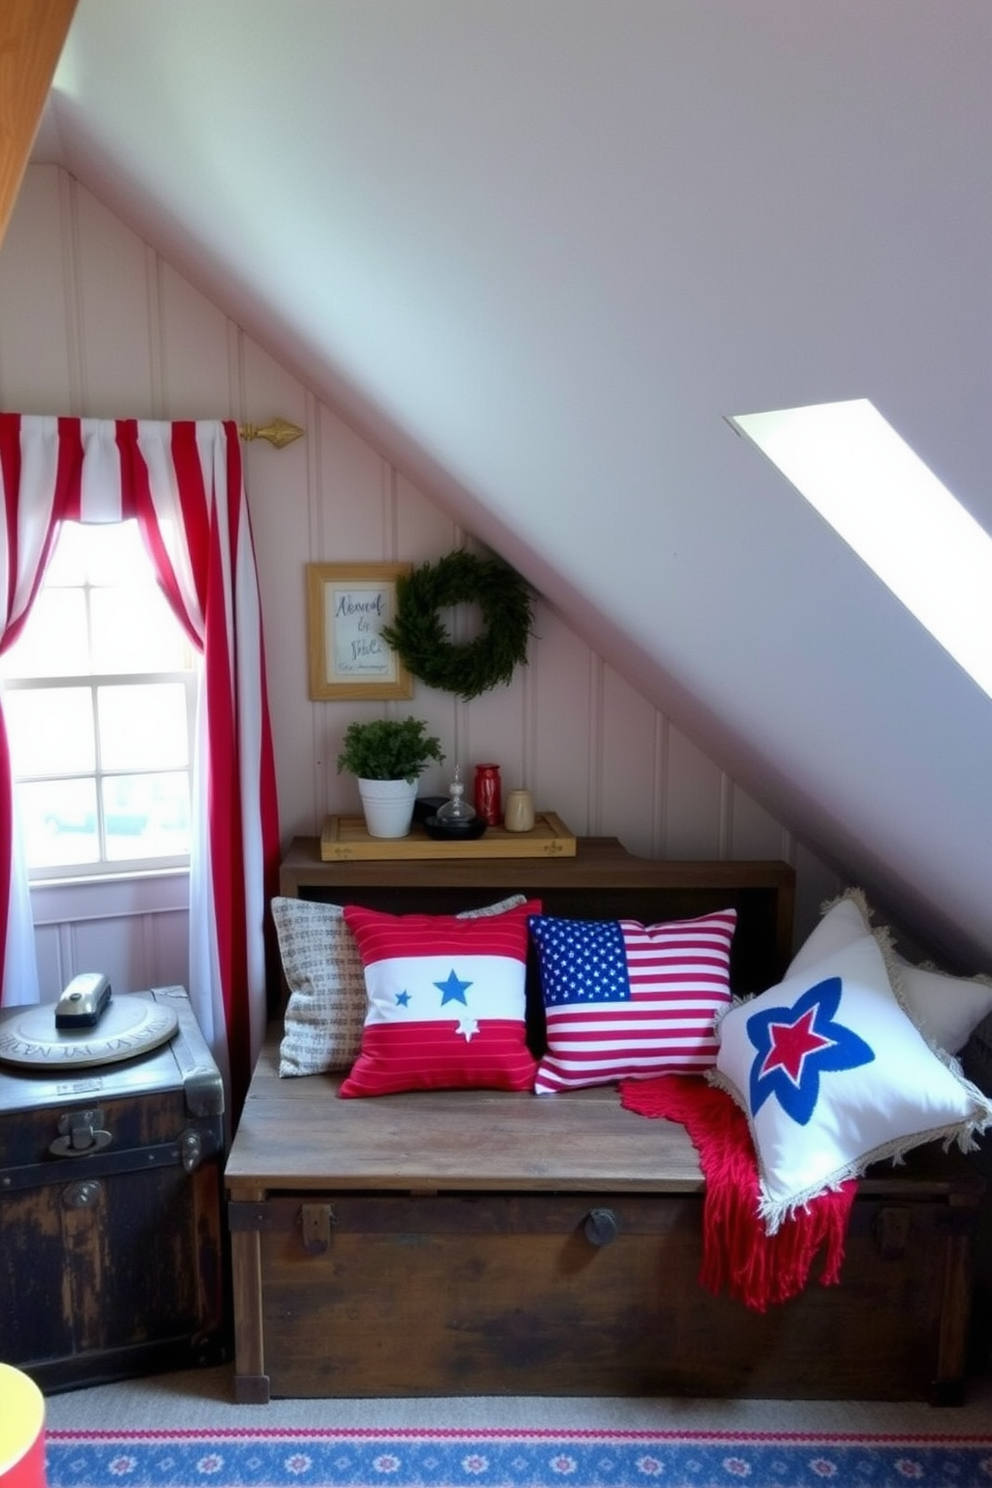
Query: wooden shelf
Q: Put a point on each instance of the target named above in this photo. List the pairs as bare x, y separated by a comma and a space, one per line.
344, 838
600, 880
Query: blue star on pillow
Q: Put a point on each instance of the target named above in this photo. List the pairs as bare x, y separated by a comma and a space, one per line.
796, 1044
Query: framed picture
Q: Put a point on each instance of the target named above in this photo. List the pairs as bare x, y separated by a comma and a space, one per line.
347, 606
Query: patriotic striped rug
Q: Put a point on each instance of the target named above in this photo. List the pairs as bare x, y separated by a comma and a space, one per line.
499, 1458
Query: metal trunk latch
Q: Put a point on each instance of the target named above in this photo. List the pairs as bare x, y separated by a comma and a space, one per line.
81, 1133
316, 1221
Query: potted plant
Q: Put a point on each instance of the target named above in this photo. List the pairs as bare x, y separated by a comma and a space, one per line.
387, 756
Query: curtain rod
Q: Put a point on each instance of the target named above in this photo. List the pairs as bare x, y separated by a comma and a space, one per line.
279, 432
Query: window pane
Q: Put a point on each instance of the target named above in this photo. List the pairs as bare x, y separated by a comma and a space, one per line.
146, 816
888, 505
101, 769
143, 727
115, 554
53, 643
50, 730
134, 631
67, 564
59, 820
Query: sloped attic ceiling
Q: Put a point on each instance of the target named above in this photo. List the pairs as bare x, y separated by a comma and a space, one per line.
540, 251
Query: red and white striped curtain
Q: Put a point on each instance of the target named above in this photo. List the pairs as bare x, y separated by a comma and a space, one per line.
183, 483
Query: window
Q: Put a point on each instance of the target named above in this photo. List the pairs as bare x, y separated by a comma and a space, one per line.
99, 697
888, 505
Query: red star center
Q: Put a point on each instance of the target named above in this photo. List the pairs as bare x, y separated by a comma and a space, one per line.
790, 1044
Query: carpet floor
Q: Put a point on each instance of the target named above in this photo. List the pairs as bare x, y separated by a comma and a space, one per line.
203, 1399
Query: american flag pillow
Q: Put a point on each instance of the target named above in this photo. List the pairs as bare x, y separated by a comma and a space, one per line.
625, 999
446, 1002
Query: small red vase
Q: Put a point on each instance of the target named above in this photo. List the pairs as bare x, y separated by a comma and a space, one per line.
487, 794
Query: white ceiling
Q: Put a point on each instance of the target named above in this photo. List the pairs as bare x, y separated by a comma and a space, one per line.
540, 250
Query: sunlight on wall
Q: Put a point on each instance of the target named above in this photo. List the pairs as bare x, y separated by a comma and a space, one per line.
887, 504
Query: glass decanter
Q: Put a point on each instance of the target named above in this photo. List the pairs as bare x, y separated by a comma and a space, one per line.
456, 812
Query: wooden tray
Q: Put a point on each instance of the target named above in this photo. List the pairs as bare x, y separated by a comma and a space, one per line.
345, 837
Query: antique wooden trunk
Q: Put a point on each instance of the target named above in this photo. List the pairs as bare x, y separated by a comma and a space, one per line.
111, 1257
466, 1243
461, 1242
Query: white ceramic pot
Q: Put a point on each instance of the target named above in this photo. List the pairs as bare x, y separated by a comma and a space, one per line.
388, 806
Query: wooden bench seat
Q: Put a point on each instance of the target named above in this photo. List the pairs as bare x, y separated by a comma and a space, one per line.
478, 1242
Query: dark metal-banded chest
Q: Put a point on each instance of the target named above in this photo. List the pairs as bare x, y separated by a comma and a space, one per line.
111, 1259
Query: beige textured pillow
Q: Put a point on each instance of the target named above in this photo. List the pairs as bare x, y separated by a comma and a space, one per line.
946, 1009
327, 1003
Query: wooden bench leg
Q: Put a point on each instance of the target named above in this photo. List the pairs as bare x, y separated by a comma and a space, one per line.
251, 1383
952, 1349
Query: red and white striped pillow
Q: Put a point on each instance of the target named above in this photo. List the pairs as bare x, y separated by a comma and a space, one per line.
624, 999
446, 1002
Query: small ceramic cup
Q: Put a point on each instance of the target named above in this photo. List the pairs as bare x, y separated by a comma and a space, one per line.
518, 811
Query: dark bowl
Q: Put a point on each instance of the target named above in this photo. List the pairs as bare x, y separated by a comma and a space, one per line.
443, 831
425, 806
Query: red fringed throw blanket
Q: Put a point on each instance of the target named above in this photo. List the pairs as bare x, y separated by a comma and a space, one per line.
738, 1256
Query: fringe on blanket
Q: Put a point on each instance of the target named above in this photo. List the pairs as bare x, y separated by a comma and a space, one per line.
757, 1269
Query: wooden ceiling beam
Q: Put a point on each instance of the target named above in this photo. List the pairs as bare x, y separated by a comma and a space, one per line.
32, 35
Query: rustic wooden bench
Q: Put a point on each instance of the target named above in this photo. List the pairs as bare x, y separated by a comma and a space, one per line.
476, 1242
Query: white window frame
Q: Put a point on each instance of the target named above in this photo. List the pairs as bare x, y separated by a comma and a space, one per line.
106, 869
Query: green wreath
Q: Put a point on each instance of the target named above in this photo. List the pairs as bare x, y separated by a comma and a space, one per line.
423, 644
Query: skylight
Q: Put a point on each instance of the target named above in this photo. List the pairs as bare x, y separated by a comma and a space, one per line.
887, 504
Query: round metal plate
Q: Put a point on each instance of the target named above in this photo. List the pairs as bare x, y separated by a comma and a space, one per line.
129, 1027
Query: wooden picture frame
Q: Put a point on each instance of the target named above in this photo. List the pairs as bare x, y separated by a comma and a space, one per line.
347, 605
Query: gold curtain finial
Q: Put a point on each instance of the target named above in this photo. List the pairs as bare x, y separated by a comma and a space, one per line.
279, 432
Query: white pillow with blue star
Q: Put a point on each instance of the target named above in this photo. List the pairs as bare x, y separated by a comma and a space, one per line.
833, 1075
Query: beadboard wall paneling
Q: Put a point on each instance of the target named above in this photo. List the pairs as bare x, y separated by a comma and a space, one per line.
194, 349
36, 326
93, 321
632, 738
696, 822
754, 832
136, 931
113, 281
565, 676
